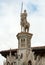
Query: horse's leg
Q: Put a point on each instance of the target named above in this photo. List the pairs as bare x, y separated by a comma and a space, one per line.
24, 29
28, 29
21, 28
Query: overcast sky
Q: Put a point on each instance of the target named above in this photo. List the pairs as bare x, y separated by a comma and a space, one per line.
10, 22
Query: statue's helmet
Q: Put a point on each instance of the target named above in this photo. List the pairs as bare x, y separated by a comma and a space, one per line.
24, 10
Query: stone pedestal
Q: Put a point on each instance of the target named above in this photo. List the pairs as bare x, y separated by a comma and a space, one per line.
24, 45
24, 40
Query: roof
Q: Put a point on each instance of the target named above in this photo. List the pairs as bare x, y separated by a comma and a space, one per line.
39, 50
6, 52
36, 50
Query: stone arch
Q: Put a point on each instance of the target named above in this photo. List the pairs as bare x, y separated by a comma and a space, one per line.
29, 62
12, 63
8, 63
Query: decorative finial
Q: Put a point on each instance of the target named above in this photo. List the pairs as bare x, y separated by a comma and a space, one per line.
10, 52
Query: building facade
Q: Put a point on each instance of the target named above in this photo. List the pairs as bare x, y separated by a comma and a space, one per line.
25, 54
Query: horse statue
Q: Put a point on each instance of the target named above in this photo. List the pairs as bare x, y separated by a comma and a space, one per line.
24, 24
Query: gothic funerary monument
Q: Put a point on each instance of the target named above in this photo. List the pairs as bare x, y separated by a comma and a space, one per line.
25, 54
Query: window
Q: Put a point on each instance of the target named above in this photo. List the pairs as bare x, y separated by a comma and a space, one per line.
22, 42
21, 55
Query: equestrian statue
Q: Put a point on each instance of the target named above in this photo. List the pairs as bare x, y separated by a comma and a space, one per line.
24, 24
